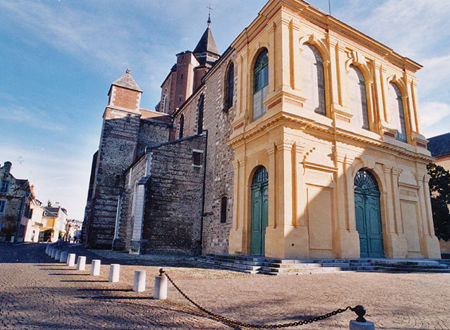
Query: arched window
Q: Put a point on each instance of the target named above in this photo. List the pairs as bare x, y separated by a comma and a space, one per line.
365, 180
164, 104
260, 175
229, 87
358, 97
260, 84
181, 127
223, 209
397, 111
313, 79
201, 105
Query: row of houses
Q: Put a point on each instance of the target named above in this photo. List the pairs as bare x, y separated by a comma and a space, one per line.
23, 218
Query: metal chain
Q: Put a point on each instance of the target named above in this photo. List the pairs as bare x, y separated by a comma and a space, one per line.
258, 326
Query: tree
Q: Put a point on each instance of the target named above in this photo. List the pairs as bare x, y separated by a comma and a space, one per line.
49, 203
440, 200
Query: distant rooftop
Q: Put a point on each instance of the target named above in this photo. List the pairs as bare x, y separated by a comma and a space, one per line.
439, 145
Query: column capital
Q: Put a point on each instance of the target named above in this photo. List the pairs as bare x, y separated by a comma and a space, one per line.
285, 145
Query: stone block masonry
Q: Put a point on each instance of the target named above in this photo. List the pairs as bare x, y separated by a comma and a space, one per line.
173, 212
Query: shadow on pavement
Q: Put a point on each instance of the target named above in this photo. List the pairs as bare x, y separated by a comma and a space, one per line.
121, 298
92, 281
72, 269
102, 290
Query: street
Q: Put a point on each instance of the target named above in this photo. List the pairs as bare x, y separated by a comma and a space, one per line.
37, 292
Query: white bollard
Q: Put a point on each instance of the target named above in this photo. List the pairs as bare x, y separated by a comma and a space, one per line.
46, 250
12, 239
81, 263
160, 291
139, 281
71, 259
52, 251
95, 267
114, 273
57, 254
63, 256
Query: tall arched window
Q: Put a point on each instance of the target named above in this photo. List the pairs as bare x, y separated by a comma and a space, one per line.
201, 105
164, 104
397, 111
260, 84
181, 127
223, 209
358, 97
313, 79
229, 87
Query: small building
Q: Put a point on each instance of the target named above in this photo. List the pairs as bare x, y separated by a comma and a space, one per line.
15, 199
34, 224
54, 223
73, 230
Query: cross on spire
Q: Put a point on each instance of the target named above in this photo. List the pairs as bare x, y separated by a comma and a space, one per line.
209, 15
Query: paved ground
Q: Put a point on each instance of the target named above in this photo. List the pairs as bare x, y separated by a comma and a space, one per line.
36, 292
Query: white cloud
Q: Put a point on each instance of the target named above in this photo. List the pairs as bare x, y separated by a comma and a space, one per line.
31, 117
434, 77
433, 113
410, 28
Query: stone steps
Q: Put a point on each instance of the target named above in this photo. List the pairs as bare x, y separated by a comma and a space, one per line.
277, 266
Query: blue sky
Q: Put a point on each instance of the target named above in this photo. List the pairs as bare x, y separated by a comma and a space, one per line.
59, 57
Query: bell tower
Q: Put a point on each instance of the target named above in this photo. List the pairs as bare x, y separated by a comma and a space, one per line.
117, 150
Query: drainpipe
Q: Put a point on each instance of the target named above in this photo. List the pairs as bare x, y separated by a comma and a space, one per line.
117, 222
203, 190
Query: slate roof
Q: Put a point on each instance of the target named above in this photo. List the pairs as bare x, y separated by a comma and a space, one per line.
127, 81
206, 43
51, 211
439, 145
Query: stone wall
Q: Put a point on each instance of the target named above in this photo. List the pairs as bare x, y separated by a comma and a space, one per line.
219, 176
151, 132
219, 173
172, 218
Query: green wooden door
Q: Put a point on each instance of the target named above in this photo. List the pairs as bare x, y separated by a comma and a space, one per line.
368, 215
259, 207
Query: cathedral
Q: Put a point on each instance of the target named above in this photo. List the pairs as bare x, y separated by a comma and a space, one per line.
300, 140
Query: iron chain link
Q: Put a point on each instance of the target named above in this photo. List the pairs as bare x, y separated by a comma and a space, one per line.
250, 325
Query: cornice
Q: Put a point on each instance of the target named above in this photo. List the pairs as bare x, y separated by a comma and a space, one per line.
337, 134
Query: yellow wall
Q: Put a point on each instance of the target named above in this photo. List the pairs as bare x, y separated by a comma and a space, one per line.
312, 159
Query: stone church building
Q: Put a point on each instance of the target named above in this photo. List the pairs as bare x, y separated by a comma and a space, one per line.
301, 140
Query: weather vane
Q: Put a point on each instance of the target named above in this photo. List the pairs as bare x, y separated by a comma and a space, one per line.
209, 15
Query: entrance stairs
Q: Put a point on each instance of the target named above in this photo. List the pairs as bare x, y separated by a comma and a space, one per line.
274, 266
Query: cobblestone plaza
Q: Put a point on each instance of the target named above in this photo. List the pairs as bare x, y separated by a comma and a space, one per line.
37, 292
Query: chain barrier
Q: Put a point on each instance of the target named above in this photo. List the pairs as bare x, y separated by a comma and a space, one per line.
359, 310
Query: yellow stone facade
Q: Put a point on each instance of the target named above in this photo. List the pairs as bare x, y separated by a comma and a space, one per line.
312, 159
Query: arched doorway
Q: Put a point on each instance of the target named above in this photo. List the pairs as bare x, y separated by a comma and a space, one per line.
368, 215
260, 196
